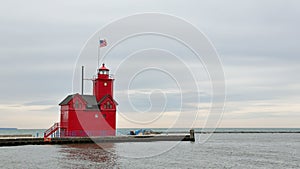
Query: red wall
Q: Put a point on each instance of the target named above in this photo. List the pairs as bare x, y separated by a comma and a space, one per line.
100, 89
89, 123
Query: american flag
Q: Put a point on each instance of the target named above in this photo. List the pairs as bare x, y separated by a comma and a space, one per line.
102, 43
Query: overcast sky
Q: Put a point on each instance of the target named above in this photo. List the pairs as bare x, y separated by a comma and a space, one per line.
257, 41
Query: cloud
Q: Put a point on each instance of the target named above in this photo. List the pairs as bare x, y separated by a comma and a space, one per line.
257, 42
28, 116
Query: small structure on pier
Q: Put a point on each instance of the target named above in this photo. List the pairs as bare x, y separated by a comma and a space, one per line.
88, 115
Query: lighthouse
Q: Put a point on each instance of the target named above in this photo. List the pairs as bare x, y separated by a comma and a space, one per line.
88, 115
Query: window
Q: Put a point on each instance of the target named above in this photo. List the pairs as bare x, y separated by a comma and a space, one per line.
108, 105
77, 105
103, 72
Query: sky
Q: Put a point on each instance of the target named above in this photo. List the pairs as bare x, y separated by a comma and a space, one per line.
256, 40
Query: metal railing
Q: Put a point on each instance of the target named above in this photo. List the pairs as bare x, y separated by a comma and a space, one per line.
87, 133
51, 130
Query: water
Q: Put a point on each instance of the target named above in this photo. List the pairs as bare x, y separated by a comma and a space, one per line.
124, 131
223, 150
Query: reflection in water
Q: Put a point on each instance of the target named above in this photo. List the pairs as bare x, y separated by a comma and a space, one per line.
89, 155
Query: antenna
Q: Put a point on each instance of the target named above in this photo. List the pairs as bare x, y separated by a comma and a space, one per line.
82, 78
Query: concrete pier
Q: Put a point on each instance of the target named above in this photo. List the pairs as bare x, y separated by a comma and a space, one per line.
81, 140
192, 135
16, 136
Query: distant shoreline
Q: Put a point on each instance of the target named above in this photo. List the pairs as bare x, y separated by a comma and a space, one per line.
247, 132
201, 129
8, 128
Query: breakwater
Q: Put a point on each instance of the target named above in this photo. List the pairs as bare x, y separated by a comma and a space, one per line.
16, 141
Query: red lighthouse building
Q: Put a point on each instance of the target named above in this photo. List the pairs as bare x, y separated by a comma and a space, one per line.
88, 115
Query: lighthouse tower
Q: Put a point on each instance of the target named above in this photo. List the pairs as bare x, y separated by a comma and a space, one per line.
88, 115
103, 84
103, 91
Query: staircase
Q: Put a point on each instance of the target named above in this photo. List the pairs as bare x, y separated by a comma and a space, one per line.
51, 130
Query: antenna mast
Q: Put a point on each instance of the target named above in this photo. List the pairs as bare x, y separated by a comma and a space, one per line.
82, 78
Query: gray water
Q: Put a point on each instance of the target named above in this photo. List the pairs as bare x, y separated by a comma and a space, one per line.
279, 150
124, 131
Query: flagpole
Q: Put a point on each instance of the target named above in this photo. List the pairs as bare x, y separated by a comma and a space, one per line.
98, 52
